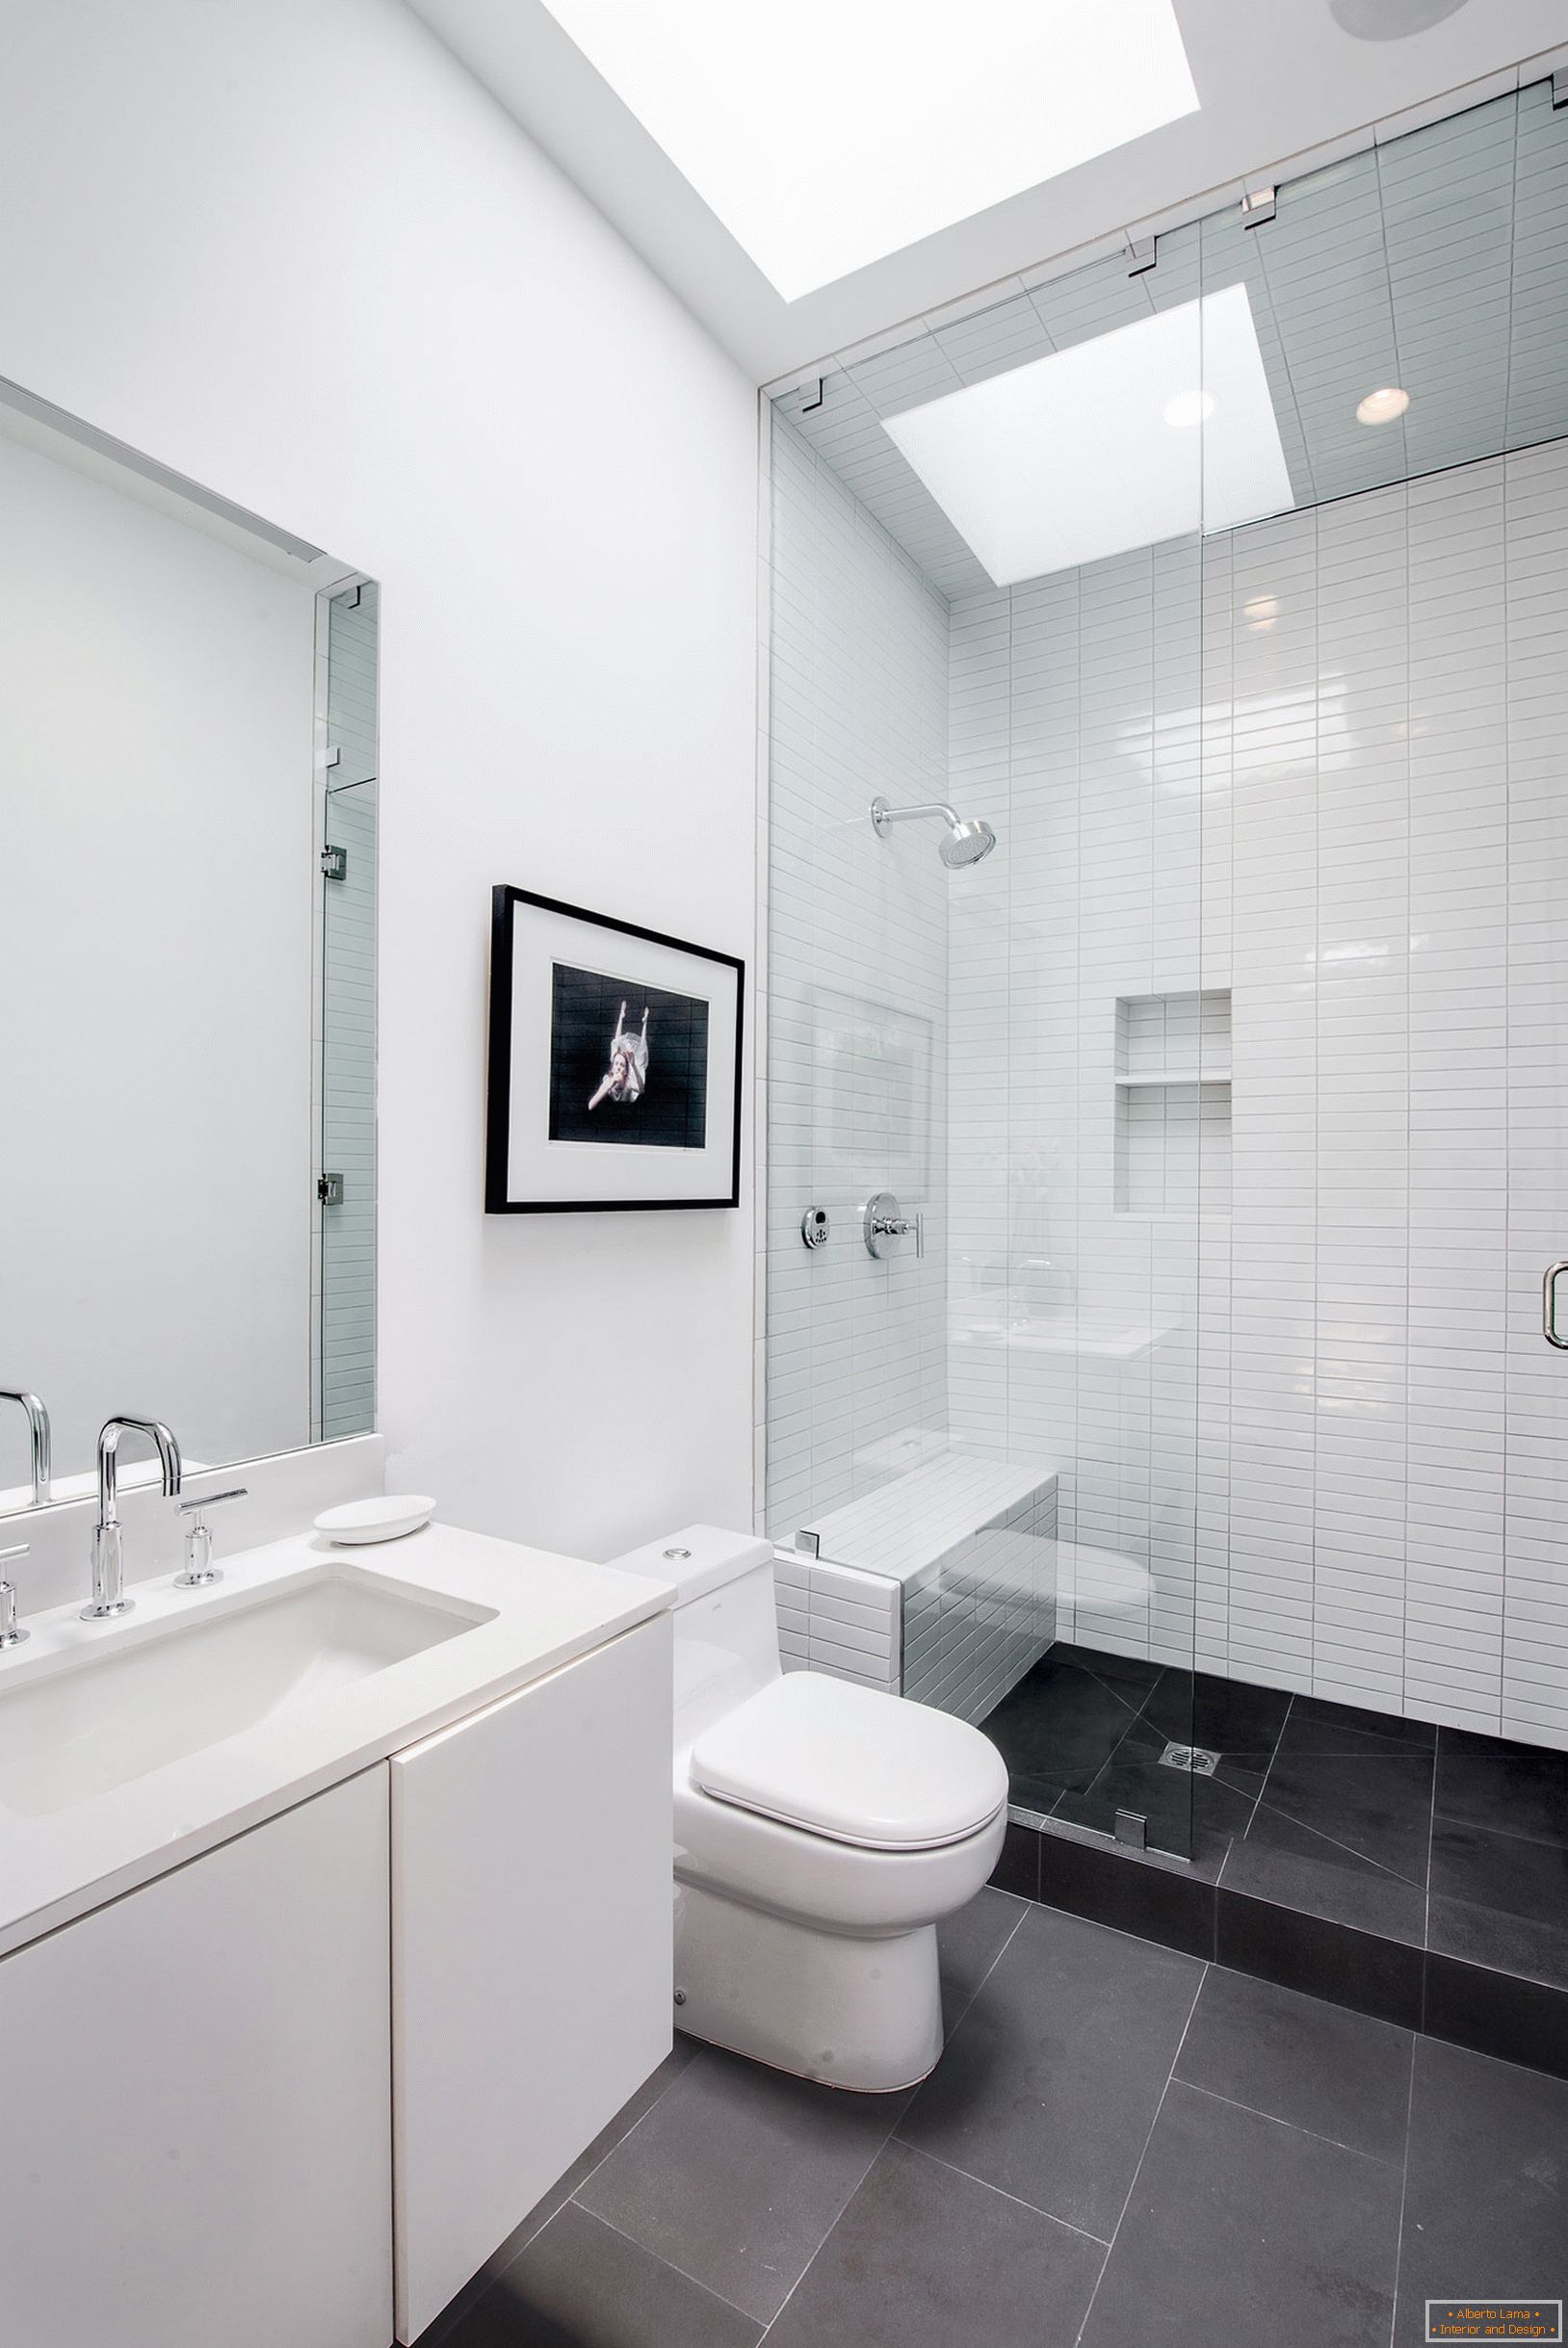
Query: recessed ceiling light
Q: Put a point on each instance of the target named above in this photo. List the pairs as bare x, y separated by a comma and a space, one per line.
1070, 457
1382, 406
1188, 408
847, 129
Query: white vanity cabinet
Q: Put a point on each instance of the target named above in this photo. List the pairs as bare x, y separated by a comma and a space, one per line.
532, 1949
195, 2124
449, 1970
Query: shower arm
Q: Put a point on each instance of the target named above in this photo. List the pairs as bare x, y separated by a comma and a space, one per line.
882, 814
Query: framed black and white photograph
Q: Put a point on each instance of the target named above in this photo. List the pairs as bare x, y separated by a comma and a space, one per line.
615, 1066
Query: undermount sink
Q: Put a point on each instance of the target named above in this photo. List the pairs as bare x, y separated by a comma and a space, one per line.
77, 1732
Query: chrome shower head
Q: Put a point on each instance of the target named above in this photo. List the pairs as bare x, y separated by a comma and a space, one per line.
967, 842
968, 838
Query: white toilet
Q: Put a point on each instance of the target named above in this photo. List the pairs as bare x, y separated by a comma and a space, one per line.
820, 1830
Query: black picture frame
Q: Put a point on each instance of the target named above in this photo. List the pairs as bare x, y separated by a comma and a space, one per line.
501, 1104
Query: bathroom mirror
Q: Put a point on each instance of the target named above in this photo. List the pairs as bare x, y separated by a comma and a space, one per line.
187, 788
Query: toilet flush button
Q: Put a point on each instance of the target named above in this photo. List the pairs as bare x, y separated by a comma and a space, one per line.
676, 1554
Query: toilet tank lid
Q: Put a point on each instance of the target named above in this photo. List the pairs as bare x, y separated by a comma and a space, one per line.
696, 1559
853, 1764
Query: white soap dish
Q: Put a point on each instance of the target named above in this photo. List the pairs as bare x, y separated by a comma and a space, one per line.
387, 1519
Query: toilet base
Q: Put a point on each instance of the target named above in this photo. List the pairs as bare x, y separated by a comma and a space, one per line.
863, 2014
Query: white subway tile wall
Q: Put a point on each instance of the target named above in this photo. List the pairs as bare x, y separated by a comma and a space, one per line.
345, 1370
1374, 769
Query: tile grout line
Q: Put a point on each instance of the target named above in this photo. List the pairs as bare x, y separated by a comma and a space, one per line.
658, 2257
1404, 2185
947, 2036
1262, 1783
1348, 1848
1275, 2119
1144, 2156
918, 2152
854, 2194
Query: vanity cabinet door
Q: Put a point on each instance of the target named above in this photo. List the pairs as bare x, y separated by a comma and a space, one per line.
532, 1949
194, 2123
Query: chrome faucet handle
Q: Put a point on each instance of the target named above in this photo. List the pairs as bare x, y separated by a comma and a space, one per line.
12, 1634
201, 1572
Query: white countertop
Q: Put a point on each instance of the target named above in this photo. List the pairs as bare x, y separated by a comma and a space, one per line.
542, 1611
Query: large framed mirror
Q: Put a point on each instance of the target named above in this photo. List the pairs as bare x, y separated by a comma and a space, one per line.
188, 856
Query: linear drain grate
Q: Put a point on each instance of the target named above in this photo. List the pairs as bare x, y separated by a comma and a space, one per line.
1195, 1759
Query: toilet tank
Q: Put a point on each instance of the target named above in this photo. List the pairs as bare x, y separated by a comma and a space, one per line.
726, 1620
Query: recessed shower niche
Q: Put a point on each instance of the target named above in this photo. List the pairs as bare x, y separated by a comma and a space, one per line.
1173, 1103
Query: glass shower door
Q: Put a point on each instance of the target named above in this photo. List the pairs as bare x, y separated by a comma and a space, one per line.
982, 1443
346, 1177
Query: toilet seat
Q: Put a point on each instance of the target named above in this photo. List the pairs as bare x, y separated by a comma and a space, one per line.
853, 1765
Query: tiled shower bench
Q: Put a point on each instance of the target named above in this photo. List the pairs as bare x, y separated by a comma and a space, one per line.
940, 1586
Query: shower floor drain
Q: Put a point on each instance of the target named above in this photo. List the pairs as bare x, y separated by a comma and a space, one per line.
1193, 1758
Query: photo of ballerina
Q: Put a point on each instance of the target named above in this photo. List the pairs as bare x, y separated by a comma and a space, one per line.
615, 1059
628, 1062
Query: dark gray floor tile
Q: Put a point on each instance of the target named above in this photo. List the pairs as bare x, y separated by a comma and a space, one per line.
1512, 1789
1058, 1728
1486, 2195
1230, 1717
540, 2216
1314, 1725
1377, 1805
737, 2173
924, 2258
1049, 2081
580, 2284
1323, 1959
1496, 2013
1296, 2058
1176, 1803
1281, 1860
1500, 1900
970, 1942
1157, 1899
1241, 2230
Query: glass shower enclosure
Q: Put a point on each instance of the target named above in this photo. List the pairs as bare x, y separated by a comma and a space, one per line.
1092, 1156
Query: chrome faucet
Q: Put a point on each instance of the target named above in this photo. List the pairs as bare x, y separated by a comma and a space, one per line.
38, 1421
108, 1562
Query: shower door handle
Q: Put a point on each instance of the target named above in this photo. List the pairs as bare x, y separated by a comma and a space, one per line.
1549, 1304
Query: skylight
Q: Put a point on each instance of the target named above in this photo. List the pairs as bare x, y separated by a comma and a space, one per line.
1162, 428
833, 132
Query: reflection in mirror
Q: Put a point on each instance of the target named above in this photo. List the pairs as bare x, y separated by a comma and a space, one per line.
187, 903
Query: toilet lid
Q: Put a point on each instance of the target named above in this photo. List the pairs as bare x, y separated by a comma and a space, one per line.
853, 1764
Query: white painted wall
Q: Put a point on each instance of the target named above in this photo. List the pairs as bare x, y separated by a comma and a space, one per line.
156, 705
289, 247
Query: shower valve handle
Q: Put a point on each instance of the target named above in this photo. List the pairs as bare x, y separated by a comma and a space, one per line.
885, 1222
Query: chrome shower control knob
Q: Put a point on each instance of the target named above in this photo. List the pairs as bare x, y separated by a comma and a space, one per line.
884, 1223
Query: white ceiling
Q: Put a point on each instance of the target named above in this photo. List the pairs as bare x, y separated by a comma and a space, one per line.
1276, 80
